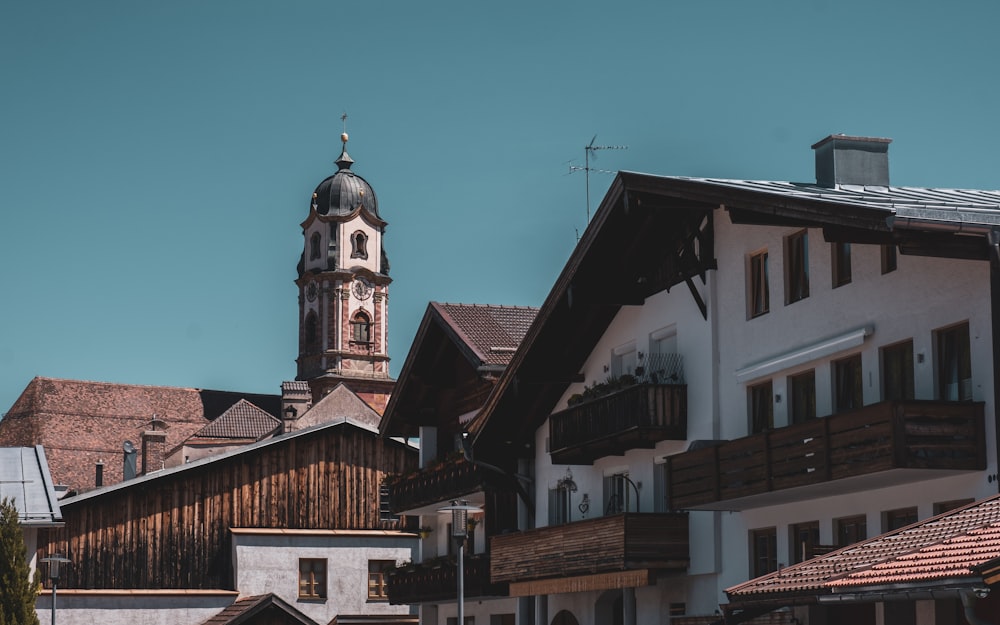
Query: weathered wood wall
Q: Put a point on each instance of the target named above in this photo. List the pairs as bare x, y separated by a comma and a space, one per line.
172, 531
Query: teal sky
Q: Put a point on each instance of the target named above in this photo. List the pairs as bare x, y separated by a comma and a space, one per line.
156, 159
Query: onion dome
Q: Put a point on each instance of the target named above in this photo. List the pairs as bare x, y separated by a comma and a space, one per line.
343, 192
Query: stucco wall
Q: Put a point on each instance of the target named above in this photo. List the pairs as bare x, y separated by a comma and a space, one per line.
86, 607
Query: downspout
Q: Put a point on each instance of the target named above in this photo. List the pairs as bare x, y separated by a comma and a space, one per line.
969, 599
993, 238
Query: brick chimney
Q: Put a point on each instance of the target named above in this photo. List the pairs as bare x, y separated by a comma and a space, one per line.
852, 161
154, 443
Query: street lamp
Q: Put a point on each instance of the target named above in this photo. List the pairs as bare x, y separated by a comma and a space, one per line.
460, 511
55, 562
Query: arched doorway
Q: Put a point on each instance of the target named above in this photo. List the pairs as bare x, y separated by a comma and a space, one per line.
564, 617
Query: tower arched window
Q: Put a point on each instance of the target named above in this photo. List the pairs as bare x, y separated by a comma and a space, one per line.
359, 245
361, 328
314, 244
311, 331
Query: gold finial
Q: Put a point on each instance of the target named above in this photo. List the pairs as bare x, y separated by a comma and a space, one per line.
343, 135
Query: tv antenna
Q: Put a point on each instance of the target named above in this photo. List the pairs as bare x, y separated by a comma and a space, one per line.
589, 151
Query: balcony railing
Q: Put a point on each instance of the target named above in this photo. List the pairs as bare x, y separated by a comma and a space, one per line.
435, 484
437, 580
874, 440
637, 417
609, 544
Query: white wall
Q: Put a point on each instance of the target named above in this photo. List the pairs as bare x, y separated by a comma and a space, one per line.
268, 562
132, 607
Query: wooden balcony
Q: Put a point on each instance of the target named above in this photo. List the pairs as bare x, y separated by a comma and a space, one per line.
437, 580
637, 417
610, 544
443, 482
879, 445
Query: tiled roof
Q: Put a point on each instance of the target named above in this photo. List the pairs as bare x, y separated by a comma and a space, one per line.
25, 479
493, 332
81, 423
245, 609
243, 420
947, 546
339, 404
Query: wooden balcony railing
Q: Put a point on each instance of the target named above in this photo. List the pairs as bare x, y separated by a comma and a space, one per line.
620, 542
437, 580
890, 435
442, 482
636, 417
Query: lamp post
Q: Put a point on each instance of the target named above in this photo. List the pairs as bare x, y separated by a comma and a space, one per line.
55, 561
460, 511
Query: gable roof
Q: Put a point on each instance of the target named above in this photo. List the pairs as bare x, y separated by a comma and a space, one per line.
652, 233
341, 403
243, 420
25, 479
455, 344
269, 608
946, 551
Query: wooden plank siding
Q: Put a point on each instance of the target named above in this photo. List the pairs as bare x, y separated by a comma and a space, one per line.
912, 434
172, 531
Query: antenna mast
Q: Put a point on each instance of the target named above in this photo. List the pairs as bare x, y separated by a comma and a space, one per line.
589, 149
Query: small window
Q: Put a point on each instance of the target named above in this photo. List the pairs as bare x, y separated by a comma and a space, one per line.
361, 328
848, 384
897, 371
851, 530
954, 363
802, 388
311, 334
661, 493
841, 264
764, 551
503, 619
623, 361
796, 267
805, 537
895, 519
312, 578
359, 245
761, 400
758, 293
888, 258
559, 502
377, 579
314, 245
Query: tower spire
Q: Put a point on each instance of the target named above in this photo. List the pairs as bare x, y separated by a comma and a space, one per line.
344, 161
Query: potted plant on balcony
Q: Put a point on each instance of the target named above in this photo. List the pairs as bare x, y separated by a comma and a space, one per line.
425, 531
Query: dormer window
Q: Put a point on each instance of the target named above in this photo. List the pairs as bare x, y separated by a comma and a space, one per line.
361, 328
314, 246
359, 245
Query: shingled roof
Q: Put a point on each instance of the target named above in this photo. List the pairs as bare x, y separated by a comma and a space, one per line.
945, 551
269, 609
492, 332
243, 420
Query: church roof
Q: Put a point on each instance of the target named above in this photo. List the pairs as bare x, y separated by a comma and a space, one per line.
243, 420
344, 192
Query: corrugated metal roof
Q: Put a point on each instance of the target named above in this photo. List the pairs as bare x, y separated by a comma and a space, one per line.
25, 479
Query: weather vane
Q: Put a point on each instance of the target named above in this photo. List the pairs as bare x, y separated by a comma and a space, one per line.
343, 134
587, 151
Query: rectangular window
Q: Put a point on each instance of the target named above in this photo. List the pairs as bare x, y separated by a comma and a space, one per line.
661, 493
796, 267
377, 579
947, 506
895, 519
502, 619
841, 264
623, 360
758, 295
897, 371
851, 530
802, 388
805, 536
764, 551
312, 578
761, 409
888, 258
954, 363
848, 384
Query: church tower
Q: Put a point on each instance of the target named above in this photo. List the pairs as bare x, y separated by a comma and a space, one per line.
343, 281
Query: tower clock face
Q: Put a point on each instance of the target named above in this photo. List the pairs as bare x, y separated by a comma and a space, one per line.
362, 288
311, 291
